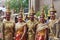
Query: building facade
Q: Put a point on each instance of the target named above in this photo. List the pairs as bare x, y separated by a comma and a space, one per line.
39, 3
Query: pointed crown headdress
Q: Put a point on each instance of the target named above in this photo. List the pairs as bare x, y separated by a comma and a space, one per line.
32, 11
8, 9
52, 9
42, 12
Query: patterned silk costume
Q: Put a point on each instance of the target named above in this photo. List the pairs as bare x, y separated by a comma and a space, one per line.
41, 31
42, 28
31, 25
8, 30
19, 31
31, 29
8, 26
58, 29
52, 26
20, 27
53, 23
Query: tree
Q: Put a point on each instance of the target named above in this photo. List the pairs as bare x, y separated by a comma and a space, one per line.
16, 4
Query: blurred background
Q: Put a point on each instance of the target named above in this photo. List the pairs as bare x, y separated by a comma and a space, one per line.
15, 5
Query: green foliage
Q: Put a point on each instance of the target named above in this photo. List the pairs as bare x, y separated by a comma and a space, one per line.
16, 4
46, 11
38, 13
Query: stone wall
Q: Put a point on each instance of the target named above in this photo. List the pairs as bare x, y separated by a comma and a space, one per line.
39, 3
56, 5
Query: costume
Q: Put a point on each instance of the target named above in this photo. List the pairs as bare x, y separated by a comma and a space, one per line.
31, 25
20, 28
8, 26
42, 28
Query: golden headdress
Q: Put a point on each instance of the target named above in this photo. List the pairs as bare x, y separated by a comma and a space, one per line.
20, 13
21, 10
8, 9
52, 9
32, 11
42, 12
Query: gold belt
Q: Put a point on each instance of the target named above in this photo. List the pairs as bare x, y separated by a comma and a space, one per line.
41, 33
19, 32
